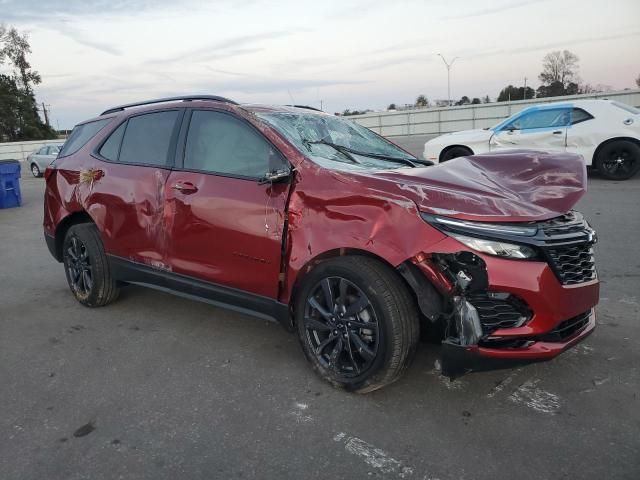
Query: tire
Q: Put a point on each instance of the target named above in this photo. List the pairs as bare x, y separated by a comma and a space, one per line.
387, 326
35, 170
618, 160
87, 268
455, 152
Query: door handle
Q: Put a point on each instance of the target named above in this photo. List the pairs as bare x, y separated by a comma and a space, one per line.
185, 187
558, 132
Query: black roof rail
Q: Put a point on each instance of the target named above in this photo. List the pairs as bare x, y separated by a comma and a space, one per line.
307, 107
186, 98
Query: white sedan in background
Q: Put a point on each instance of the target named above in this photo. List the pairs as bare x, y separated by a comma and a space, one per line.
604, 132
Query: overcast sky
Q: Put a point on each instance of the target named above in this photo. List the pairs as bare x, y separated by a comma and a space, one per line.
93, 54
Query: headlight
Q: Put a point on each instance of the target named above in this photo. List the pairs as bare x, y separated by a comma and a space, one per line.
481, 227
495, 247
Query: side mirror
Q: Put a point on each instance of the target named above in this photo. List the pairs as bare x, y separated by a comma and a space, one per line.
276, 176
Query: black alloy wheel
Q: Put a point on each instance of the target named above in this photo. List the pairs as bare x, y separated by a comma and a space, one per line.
341, 327
619, 160
79, 268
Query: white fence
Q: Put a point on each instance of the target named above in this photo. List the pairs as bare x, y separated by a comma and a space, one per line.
435, 121
20, 150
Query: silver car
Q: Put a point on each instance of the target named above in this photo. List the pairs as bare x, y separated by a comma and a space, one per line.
40, 159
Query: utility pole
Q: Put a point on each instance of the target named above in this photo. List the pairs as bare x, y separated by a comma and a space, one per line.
525, 89
448, 65
46, 115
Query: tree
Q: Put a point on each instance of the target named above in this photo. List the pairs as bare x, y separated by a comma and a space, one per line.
486, 99
510, 93
475, 101
422, 101
638, 81
19, 119
559, 74
392, 106
463, 101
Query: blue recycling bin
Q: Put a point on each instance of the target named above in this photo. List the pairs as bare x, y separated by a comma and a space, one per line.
10, 195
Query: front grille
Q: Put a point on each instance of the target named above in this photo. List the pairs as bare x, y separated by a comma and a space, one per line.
573, 263
568, 328
499, 310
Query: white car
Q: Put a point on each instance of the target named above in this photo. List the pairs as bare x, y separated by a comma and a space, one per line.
604, 132
40, 159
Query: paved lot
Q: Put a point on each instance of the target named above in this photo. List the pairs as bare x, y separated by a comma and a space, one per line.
179, 389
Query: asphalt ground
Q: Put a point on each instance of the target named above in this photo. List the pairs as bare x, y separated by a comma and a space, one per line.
160, 387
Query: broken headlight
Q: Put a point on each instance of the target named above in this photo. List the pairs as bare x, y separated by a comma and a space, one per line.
495, 247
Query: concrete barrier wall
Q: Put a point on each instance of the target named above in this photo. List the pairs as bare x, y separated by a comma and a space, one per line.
20, 150
436, 121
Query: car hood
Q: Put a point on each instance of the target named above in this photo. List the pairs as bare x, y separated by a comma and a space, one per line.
511, 186
469, 136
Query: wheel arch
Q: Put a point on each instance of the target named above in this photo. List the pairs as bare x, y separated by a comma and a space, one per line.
610, 140
418, 286
449, 147
63, 227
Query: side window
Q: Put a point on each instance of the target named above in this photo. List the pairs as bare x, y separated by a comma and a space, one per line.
547, 118
147, 138
219, 143
578, 115
42, 151
80, 135
111, 147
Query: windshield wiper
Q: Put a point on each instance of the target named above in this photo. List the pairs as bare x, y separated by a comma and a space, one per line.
340, 148
346, 151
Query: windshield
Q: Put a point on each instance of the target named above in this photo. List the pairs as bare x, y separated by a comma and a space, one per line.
335, 142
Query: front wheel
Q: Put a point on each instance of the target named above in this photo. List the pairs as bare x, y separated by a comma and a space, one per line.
619, 160
87, 267
35, 170
357, 323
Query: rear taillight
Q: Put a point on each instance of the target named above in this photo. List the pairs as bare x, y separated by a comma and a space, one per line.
49, 171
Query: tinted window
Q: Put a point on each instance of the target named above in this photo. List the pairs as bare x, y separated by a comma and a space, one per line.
578, 115
548, 118
80, 135
111, 147
147, 138
220, 143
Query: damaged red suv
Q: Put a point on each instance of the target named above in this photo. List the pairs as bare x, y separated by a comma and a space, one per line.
294, 215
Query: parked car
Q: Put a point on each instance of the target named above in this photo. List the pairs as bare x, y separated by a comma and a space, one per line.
40, 159
604, 132
294, 215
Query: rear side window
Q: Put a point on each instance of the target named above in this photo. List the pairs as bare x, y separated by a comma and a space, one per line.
147, 138
80, 135
219, 143
578, 115
111, 147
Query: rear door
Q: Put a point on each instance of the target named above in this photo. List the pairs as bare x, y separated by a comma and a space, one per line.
127, 198
224, 226
542, 128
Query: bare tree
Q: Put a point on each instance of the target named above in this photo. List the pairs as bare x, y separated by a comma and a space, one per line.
560, 67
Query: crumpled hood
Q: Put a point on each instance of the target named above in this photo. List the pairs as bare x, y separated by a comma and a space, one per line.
517, 185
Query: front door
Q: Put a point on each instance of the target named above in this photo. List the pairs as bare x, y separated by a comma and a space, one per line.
224, 225
538, 129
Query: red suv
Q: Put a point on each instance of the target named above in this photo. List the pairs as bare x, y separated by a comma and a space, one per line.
314, 221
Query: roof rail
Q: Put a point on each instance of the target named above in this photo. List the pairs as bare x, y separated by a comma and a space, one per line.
186, 98
307, 107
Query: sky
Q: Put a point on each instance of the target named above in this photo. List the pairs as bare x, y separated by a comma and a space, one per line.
93, 54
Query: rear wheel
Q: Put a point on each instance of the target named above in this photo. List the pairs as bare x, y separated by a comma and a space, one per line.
35, 170
87, 267
357, 323
619, 160
455, 152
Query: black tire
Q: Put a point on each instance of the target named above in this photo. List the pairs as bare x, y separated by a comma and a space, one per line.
87, 268
394, 311
35, 170
618, 160
455, 152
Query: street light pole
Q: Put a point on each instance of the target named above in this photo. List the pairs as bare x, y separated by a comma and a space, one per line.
448, 65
